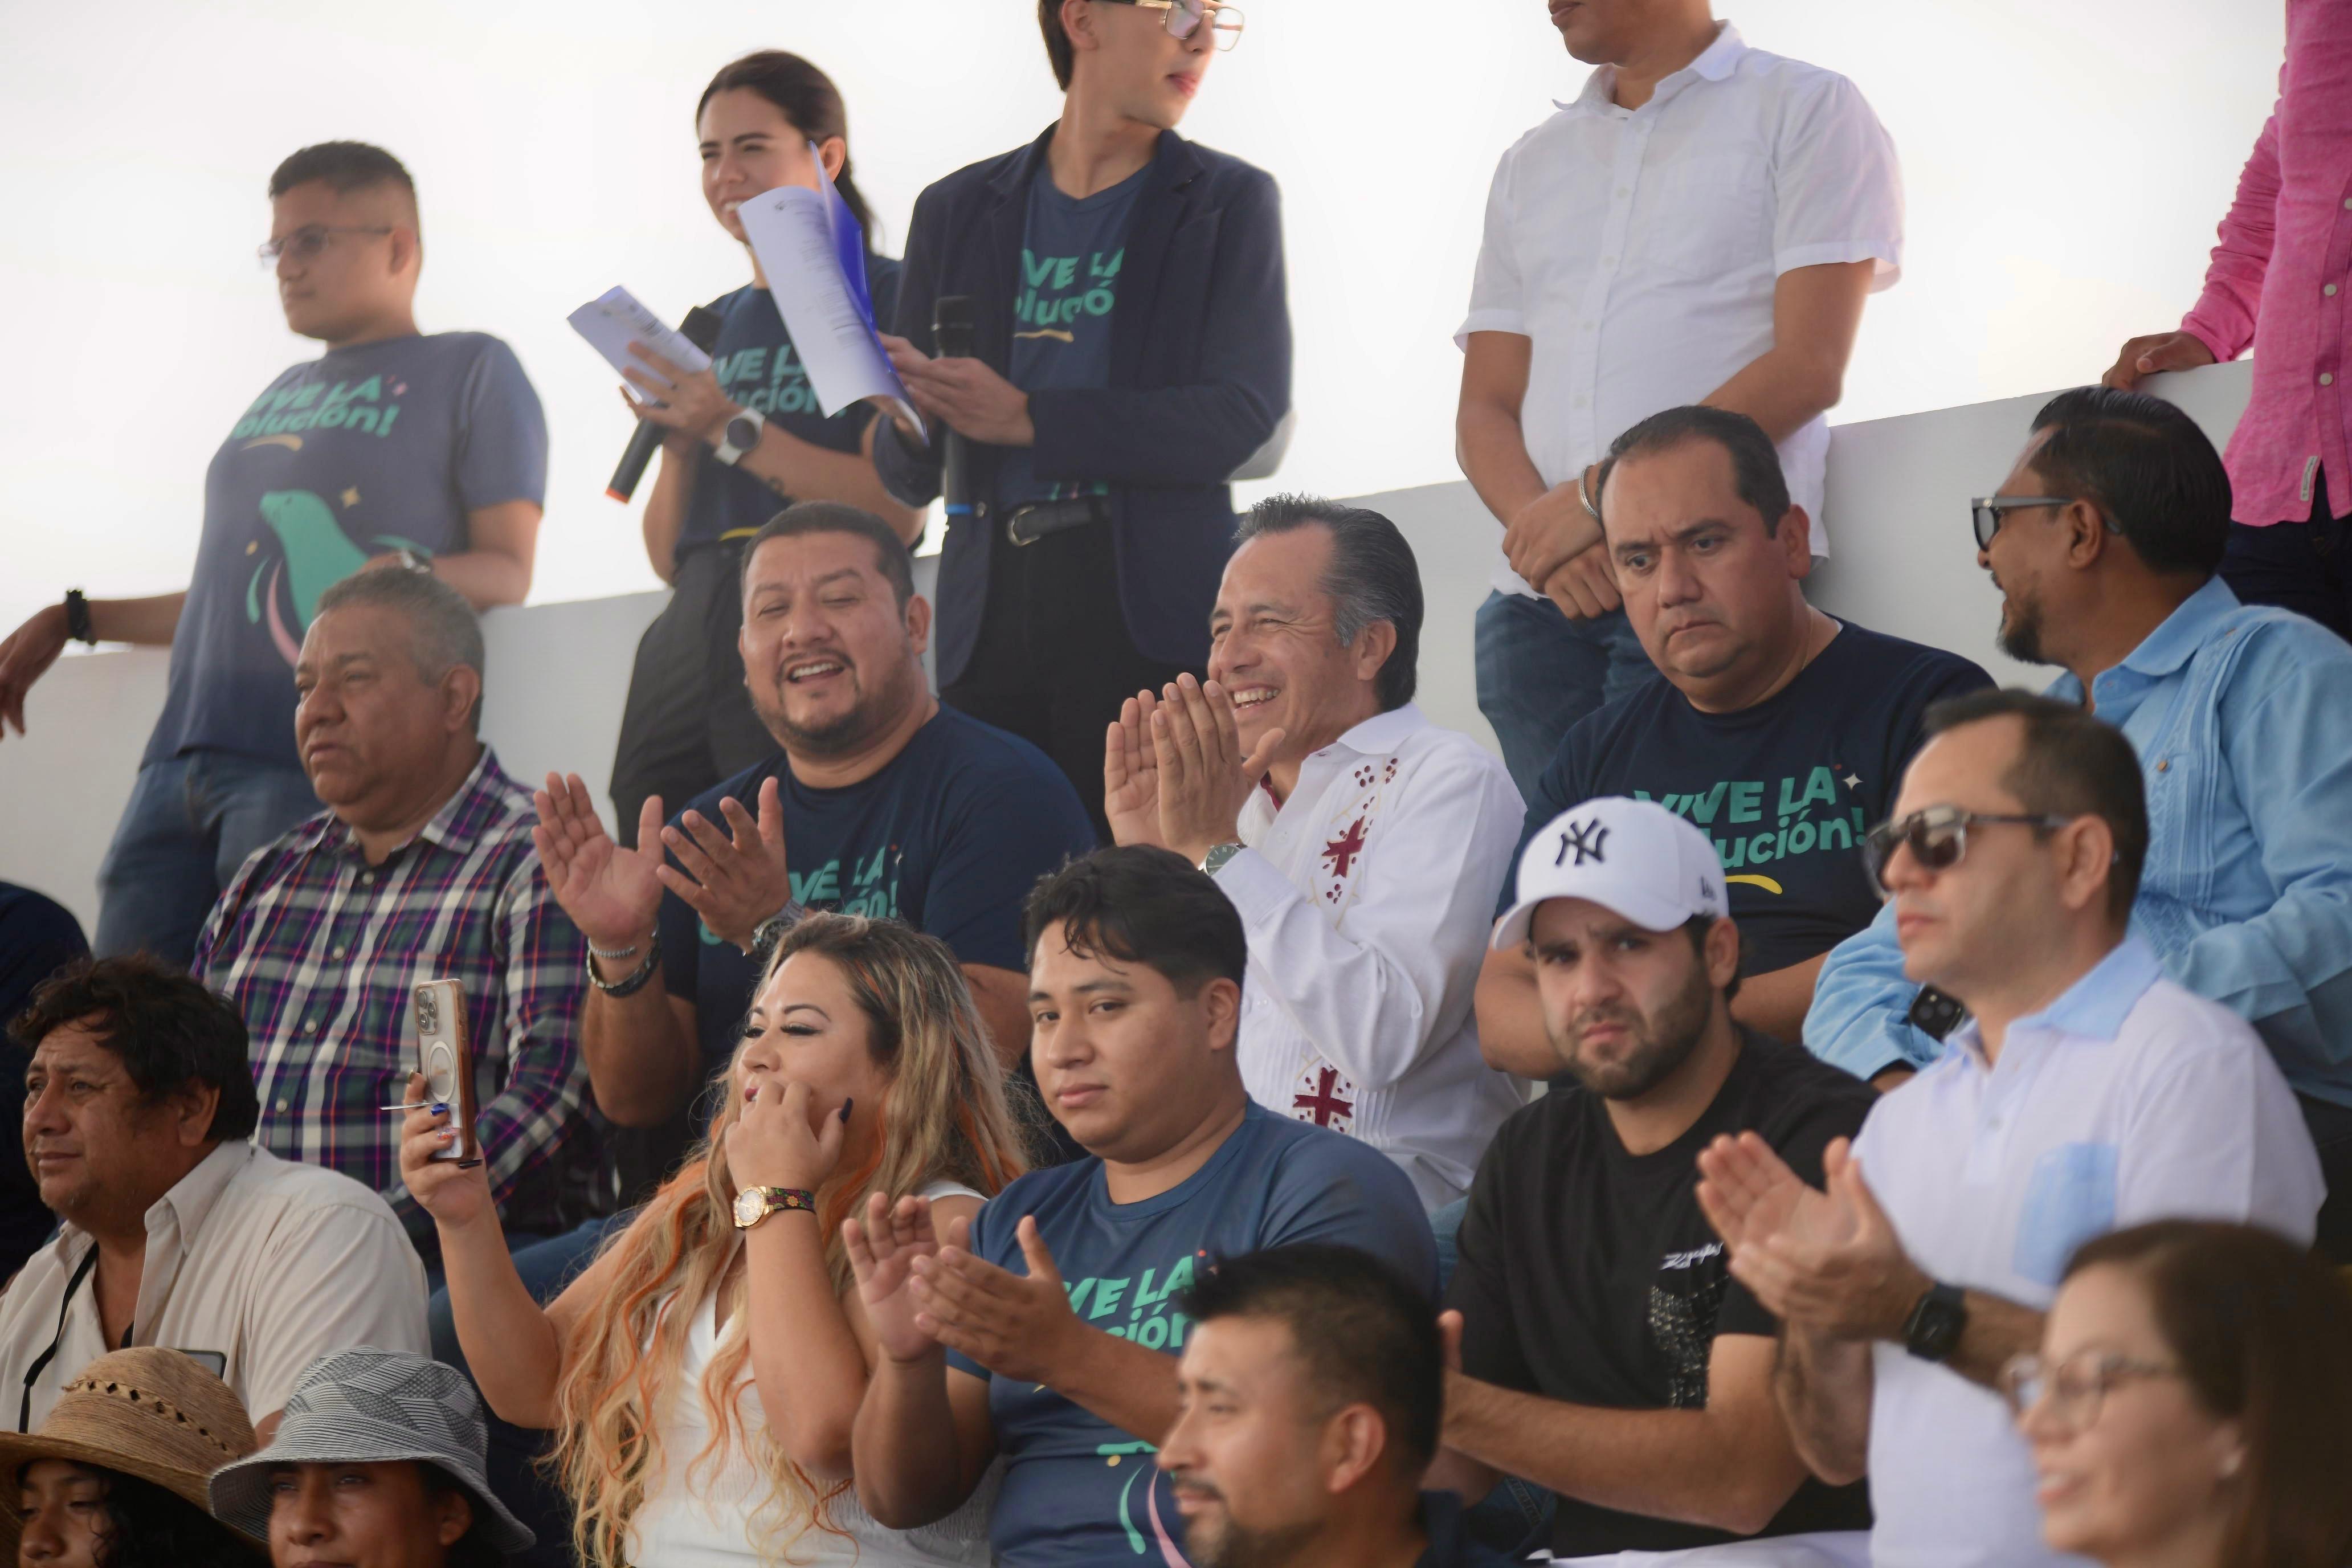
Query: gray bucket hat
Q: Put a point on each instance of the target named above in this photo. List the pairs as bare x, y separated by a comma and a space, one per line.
367, 1407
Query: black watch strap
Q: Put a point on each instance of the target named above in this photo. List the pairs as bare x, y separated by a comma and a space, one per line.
1933, 1331
77, 624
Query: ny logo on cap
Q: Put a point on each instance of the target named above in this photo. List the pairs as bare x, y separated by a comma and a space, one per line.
1586, 838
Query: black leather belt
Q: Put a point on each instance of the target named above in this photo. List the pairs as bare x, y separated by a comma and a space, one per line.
1028, 524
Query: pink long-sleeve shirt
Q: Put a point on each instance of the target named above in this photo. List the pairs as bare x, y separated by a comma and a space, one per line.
2280, 277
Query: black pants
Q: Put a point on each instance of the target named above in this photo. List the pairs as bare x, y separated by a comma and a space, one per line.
688, 722
2331, 1133
1054, 660
2298, 566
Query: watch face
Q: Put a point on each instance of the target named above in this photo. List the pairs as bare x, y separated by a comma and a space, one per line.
742, 434
750, 1208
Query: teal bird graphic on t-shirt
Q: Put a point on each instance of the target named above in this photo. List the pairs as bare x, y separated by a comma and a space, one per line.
318, 555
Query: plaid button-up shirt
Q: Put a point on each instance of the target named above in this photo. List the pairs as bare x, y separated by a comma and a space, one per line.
319, 951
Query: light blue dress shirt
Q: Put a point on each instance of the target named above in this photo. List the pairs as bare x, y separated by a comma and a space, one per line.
2241, 717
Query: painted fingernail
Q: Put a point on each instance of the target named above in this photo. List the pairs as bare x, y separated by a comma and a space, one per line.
440, 1110
845, 1108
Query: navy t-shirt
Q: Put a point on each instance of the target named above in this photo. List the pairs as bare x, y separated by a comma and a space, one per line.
1786, 788
949, 837
1071, 251
381, 446
757, 367
1079, 1492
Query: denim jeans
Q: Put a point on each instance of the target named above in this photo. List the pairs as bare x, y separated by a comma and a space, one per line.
192, 821
546, 1267
1539, 672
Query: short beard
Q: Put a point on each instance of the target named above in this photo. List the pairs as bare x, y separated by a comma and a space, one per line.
1666, 1042
866, 718
1235, 1547
2021, 632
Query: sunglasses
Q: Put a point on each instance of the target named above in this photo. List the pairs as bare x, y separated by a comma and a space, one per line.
1986, 512
1937, 838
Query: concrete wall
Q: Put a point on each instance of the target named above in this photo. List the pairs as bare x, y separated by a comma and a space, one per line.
1897, 510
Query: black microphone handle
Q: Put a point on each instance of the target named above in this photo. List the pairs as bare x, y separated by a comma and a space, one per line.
644, 442
700, 328
951, 336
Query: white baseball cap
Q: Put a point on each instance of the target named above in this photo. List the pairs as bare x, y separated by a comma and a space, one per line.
1633, 857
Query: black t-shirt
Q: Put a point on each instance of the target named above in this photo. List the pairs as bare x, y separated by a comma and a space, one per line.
950, 837
1590, 1274
757, 367
1786, 788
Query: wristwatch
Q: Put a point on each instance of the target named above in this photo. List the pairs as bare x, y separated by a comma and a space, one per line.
1215, 861
769, 931
1932, 1331
77, 622
742, 434
753, 1205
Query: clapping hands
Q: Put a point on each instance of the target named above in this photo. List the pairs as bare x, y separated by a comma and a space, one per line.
1174, 771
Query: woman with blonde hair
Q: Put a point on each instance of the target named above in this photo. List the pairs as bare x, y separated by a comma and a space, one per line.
703, 1374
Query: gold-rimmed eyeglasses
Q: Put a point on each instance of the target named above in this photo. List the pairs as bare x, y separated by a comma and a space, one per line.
1185, 16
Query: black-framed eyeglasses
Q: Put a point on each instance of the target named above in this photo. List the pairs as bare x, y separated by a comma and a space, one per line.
1185, 16
1986, 512
2077, 1386
311, 241
1937, 838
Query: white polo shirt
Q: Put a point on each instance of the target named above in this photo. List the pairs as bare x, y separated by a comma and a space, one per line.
2128, 1100
1637, 250
1367, 898
265, 1264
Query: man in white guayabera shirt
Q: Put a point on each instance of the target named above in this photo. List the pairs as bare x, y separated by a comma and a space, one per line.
2087, 1093
1700, 225
1356, 838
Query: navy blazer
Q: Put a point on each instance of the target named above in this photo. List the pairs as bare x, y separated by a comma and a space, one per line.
1200, 376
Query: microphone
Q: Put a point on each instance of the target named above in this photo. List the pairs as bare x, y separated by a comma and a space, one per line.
951, 334
700, 328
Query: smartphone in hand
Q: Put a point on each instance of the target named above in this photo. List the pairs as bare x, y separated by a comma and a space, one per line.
445, 1055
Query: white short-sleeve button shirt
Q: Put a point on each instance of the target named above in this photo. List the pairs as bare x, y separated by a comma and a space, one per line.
2128, 1100
1637, 250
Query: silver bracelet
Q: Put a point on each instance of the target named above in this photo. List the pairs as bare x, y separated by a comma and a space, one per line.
1585, 496
628, 951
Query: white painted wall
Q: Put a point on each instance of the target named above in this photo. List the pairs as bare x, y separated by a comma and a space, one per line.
1897, 503
2063, 167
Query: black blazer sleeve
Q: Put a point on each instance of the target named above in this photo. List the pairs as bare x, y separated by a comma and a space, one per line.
908, 470
1196, 434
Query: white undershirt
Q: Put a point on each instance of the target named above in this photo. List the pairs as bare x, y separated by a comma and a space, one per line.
706, 1521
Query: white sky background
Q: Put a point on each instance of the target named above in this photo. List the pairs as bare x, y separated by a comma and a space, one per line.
2065, 162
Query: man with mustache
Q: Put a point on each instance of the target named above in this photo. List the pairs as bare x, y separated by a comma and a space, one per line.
1780, 732
1605, 1352
1309, 1398
2106, 540
879, 801
420, 868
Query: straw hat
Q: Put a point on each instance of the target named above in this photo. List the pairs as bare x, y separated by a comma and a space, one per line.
147, 1412
360, 1406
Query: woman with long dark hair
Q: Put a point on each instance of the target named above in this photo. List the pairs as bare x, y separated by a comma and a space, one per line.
702, 1376
2191, 1406
743, 441
115, 1476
